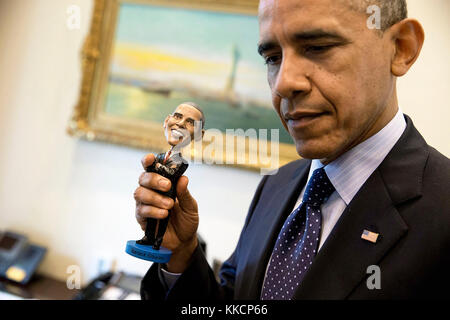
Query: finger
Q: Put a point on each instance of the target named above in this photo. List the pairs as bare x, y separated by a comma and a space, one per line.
149, 197
145, 211
185, 199
140, 219
148, 160
153, 180
143, 225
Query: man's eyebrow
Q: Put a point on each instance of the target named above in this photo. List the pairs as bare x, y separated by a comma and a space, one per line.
266, 46
317, 34
310, 35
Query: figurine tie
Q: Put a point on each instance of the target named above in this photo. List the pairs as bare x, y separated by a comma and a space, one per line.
167, 156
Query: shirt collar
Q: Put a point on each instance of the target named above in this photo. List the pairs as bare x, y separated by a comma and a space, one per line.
351, 170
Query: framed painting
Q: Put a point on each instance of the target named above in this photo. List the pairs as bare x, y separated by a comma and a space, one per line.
143, 58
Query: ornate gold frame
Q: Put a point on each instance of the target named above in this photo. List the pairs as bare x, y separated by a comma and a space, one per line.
89, 122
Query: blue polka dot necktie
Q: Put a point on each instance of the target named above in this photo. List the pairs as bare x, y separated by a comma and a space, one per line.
298, 241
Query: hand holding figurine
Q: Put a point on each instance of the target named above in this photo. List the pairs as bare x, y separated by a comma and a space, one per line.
164, 207
180, 236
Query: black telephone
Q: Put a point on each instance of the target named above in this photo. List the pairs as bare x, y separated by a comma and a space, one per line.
112, 286
117, 286
19, 259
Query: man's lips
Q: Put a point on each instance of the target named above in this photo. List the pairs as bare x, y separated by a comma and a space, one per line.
301, 119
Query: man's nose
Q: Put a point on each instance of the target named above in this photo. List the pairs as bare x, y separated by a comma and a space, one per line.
292, 78
182, 123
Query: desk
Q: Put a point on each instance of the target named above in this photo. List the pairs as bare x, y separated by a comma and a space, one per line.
40, 287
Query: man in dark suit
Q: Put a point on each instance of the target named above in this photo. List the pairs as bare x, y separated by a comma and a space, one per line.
370, 194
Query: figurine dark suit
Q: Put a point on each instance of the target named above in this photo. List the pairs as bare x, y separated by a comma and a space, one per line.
171, 168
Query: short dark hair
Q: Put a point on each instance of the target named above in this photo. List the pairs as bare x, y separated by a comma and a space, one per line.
196, 106
392, 11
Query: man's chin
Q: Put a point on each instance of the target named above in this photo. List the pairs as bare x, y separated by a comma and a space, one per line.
174, 142
179, 144
310, 150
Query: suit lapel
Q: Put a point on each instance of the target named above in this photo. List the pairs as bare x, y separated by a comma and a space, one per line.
271, 216
342, 262
174, 160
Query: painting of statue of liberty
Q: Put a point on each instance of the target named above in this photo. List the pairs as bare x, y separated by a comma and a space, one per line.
162, 56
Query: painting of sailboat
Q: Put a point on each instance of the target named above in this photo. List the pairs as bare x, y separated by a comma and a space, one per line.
165, 55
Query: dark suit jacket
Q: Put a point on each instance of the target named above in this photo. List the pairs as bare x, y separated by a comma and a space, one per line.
406, 200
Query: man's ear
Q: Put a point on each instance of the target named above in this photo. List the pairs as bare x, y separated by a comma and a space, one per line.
408, 37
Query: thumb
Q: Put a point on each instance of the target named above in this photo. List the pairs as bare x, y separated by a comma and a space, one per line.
148, 160
185, 200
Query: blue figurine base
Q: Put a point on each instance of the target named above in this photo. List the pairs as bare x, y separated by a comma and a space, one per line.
146, 252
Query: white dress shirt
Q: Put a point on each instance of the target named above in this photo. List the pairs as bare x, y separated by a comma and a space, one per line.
347, 174
352, 169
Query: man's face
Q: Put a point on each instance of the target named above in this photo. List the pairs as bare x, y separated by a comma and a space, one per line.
180, 123
330, 75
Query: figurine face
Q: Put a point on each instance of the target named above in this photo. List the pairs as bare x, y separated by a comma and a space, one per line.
180, 124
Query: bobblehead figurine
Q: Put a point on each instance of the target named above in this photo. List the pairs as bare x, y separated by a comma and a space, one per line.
180, 128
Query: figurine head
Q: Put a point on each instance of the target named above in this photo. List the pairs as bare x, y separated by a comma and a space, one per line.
186, 121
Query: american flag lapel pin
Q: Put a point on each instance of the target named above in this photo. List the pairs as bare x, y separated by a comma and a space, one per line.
370, 236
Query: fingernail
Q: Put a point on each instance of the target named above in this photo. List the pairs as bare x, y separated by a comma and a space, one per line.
167, 202
164, 183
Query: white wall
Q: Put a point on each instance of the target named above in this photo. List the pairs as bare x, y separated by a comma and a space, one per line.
75, 197
423, 92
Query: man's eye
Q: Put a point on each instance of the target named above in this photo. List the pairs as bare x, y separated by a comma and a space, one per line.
190, 122
177, 116
270, 60
318, 49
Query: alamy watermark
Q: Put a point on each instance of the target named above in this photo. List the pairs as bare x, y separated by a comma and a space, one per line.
73, 21
374, 280
237, 147
374, 20
74, 277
